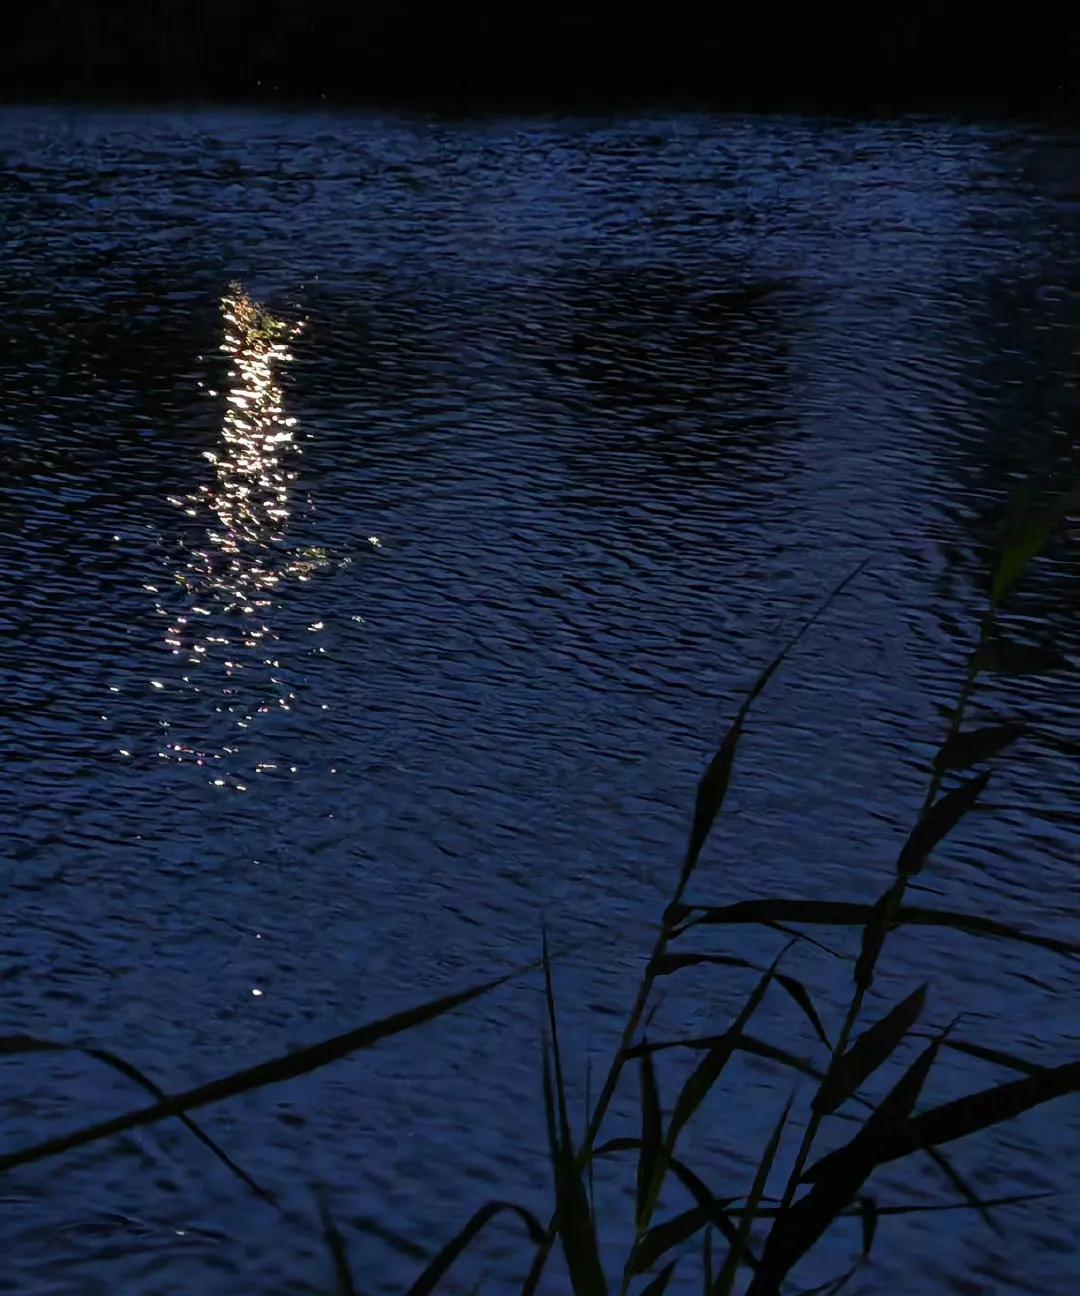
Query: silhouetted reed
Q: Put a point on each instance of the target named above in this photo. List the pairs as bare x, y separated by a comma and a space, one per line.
763, 1236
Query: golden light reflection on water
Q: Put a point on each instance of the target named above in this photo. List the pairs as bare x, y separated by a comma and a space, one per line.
229, 581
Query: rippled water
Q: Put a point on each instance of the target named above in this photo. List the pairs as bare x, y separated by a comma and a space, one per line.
393, 512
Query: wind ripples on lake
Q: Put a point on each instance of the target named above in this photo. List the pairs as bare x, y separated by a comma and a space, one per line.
392, 514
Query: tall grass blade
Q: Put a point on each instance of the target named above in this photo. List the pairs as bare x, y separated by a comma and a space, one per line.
873, 938
797, 1229
300, 1062
14, 1044
725, 1284
590, 1177
965, 749
938, 821
433, 1274
345, 1285
851, 914
968, 1115
1027, 541
873, 1047
868, 1214
713, 787
573, 1218
709, 1069
652, 1141
714, 784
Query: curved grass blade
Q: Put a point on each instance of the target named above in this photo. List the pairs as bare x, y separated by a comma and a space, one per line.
924, 1208
661, 1238
1025, 533
796, 1230
725, 1284
433, 1274
737, 1040
965, 749
297, 1063
841, 913
660, 1283
968, 1115
801, 996
941, 818
716, 1207
867, 1053
713, 1209
713, 787
666, 964
708, 1070
962, 1186
910, 1208
14, 1044
997, 1056
793, 934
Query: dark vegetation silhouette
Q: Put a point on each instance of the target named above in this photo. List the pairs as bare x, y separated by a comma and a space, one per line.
917, 55
798, 1193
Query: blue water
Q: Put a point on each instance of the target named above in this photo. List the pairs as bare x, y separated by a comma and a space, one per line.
392, 513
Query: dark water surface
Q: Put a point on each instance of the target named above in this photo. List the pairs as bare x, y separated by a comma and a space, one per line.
340, 652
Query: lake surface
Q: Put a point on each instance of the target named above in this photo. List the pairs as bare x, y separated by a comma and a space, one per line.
392, 514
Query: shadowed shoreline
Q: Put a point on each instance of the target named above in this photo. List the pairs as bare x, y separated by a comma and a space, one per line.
481, 56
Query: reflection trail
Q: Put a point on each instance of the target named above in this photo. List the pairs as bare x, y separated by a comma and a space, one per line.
239, 557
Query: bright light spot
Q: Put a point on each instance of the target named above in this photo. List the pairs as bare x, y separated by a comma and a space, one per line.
157, 684
375, 542
256, 992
